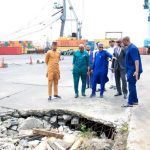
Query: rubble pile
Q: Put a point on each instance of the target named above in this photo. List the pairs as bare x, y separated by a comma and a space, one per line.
50, 131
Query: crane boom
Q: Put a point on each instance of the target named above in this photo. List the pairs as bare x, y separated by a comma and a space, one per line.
63, 19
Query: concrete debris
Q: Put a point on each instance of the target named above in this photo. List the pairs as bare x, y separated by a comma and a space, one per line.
25, 132
31, 123
53, 120
47, 132
33, 144
75, 121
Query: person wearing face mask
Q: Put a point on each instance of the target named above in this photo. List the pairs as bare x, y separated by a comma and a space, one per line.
80, 69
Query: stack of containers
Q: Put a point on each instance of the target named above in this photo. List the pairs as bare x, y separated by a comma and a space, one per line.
69, 44
15, 47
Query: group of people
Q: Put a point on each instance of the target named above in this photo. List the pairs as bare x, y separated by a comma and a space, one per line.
119, 64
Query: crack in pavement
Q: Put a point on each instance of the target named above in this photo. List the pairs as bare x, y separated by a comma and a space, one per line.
12, 94
32, 84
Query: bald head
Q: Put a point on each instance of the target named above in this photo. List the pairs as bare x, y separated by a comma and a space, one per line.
126, 41
81, 47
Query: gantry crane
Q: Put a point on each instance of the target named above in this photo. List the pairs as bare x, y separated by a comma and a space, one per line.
63, 10
147, 7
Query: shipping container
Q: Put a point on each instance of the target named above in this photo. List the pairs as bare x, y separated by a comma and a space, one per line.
143, 50
146, 43
67, 48
70, 43
10, 51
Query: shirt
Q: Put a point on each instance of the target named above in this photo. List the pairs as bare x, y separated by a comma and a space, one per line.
80, 61
111, 51
132, 54
101, 62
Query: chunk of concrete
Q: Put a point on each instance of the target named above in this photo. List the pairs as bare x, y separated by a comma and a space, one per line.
33, 144
67, 117
75, 121
14, 128
31, 123
25, 132
53, 120
42, 146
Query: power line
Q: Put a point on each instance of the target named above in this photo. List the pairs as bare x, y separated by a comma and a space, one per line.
36, 30
30, 22
39, 13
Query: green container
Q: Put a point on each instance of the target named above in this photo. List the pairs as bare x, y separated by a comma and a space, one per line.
6, 44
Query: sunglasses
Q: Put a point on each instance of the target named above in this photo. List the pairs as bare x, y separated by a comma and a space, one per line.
100, 47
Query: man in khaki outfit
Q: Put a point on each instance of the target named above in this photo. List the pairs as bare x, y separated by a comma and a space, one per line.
53, 73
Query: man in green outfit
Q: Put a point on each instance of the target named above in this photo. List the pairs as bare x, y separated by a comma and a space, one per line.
80, 69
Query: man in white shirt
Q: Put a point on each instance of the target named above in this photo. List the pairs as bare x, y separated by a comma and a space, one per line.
111, 75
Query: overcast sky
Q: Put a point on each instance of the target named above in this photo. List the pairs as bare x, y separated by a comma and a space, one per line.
98, 17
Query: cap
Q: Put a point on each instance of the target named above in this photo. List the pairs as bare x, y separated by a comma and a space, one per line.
54, 43
100, 45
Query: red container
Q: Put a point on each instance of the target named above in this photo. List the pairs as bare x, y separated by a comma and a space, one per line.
10, 51
70, 43
143, 50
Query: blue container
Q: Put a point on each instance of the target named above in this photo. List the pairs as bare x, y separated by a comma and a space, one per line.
146, 43
149, 18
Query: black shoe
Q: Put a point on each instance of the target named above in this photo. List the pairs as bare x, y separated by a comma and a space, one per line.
111, 87
50, 98
125, 96
92, 95
101, 96
118, 94
114, 87
76, 96
127, 105
83, 95
135, 103
56, 96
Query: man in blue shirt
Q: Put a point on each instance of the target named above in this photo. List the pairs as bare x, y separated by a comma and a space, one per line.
100, 70
80, 69
133, 70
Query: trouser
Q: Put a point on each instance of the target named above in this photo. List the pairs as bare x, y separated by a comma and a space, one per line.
120, 74
132, 90
97, 77
53, 83
76, 77
89, 81
111, 75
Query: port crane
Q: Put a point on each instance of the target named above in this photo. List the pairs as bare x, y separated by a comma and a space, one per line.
147, 7
63, 10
